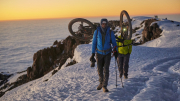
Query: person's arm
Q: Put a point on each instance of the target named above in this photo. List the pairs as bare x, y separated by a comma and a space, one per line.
94, 42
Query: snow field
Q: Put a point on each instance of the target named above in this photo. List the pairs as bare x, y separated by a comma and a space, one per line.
154, 75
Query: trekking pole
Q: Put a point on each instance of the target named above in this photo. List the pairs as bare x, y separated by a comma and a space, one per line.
116, 76
122, 82
116, 72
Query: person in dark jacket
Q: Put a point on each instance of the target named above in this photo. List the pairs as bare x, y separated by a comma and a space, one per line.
101, 44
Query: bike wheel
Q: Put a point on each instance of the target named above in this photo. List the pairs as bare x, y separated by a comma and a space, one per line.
81, 29
127, 24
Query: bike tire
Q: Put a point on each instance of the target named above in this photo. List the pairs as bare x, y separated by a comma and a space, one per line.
79, 37
129, 22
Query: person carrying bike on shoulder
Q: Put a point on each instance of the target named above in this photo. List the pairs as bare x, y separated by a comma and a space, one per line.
124, 51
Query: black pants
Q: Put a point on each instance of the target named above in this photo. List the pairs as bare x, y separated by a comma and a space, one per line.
103, 62
123, 63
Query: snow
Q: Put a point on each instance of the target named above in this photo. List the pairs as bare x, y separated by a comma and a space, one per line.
138, 20
153, 74
15, 76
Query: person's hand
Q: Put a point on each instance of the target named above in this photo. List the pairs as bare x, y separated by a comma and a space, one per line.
115, 53
92, 59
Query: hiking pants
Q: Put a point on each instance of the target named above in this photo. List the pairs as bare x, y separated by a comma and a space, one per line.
103, 62
123, 63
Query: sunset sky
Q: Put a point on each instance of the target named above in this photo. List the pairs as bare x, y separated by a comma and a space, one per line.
43, 9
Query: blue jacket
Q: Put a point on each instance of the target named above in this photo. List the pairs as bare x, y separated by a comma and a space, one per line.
97, 41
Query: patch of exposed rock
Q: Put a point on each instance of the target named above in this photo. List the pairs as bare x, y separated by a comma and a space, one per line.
150, 32
47, 59
4, 78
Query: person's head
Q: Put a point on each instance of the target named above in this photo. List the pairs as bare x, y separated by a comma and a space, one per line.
104, 23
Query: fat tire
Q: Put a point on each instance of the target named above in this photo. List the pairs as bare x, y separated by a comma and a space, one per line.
80, 20
129, 22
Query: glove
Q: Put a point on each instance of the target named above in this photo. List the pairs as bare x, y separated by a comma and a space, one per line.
115, 53
92, 59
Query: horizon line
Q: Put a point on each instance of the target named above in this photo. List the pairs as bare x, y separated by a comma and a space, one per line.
83, 17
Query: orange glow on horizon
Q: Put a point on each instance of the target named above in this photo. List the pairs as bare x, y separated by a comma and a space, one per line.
48, 9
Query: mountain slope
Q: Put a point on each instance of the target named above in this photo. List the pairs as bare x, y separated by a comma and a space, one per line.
154, 74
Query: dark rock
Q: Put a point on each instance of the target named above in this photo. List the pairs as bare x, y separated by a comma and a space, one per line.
63, 60
55, 42
47, 59
54, 72
29, 69
71, 63
150, 32
137, 34
177, 25
21, 71
4, 78
149, 21
1, 94
134, 30
43, 60
142, 22
45, 80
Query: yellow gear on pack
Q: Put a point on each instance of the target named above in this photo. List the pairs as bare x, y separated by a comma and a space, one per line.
124, 48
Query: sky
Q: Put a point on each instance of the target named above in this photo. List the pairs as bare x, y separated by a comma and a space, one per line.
45, 9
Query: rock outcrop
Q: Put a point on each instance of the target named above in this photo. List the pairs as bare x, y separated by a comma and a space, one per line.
150, 32
47, 59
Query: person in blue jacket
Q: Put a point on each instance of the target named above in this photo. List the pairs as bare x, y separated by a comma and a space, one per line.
101, 44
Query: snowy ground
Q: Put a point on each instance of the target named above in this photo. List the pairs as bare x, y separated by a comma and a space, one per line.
154, 75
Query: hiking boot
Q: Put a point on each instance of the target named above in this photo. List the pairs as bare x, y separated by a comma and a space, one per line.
99, 87
125, 76
120, 75
105, 89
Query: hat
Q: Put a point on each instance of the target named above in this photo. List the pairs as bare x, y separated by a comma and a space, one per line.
104, 21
